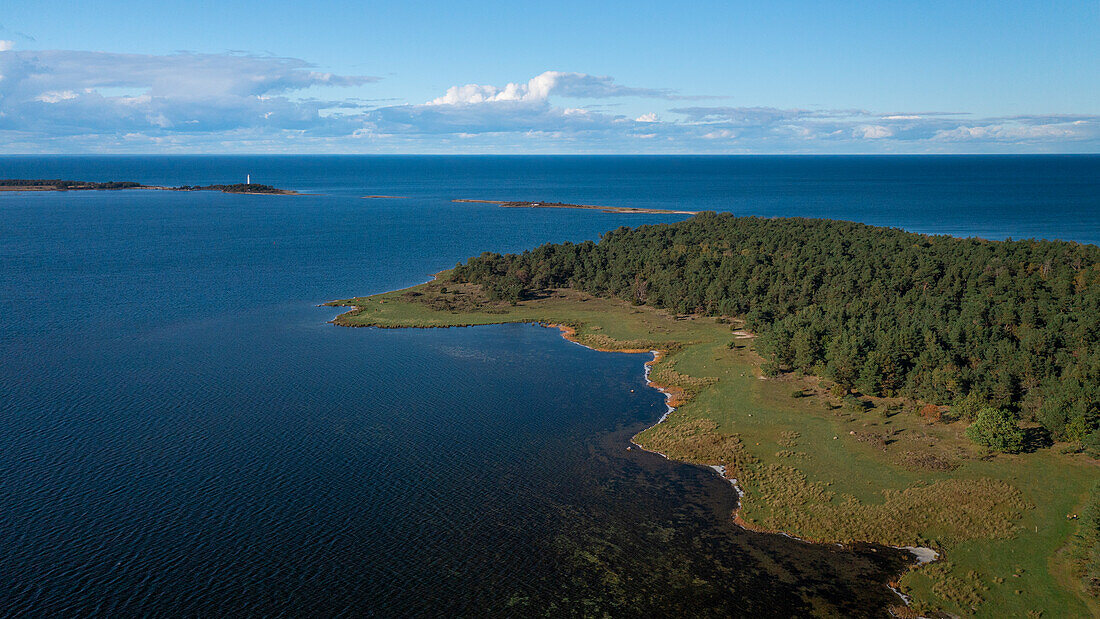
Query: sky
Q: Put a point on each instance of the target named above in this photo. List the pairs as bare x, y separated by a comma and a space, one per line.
549, 77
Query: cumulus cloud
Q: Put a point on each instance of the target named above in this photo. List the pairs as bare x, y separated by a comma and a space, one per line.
55, 96
721, 134
873, 132
650, 117
6, 45
540, 87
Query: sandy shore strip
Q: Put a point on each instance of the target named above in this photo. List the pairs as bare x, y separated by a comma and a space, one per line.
602, 209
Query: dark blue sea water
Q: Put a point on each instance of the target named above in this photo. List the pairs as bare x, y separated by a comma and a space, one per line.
182, 433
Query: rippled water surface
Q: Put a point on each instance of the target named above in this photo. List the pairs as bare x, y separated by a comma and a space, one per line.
182, 433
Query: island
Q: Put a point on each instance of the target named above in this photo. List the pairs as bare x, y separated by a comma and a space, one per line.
20, 184
604, 209
250, 188
855, 384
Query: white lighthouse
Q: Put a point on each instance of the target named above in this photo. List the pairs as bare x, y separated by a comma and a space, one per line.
247, 179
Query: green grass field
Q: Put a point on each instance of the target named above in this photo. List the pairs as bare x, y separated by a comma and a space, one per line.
815, 469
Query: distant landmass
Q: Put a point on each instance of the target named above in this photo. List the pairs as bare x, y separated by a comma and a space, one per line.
605, 209
23, 184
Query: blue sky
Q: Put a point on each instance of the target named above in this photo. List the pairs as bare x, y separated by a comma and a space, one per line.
550, 77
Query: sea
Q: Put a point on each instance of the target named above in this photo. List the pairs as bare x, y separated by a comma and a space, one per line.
183, 433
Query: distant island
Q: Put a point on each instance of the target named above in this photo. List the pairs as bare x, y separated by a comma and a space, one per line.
605, 209
21, 184
855, 383
236, 188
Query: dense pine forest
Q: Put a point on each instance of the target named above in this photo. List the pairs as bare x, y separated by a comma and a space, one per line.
966, 322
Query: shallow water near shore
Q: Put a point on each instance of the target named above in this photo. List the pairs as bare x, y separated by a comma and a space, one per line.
182, 433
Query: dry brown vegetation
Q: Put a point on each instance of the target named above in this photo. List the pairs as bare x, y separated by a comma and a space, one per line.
954, 509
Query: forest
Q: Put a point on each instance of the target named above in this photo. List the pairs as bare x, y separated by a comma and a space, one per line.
965, 322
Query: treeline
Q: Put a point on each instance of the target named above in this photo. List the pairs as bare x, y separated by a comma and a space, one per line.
63, 185
969, 322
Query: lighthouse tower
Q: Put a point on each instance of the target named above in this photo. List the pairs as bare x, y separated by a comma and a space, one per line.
247, 179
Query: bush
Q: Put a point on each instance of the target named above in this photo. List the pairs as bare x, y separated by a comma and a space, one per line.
1091, 444
967, 408
509, 289
854, 404
931, 412
997, 429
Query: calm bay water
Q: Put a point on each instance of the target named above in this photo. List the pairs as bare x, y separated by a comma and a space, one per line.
182, 433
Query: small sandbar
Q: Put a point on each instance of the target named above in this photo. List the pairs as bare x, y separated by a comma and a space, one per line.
594, 207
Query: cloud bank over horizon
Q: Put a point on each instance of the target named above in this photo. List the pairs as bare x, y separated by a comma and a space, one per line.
86, 101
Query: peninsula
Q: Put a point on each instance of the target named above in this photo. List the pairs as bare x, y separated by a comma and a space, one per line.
856, 384
20, 184
604, 209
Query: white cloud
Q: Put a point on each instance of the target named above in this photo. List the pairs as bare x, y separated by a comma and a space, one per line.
57, 92
721, 134
6, 45
540, 87
1074, 130
872, 132
650, 117
55, 96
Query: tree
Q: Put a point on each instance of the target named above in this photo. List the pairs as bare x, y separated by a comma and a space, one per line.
968, 407
509, 289
997, 429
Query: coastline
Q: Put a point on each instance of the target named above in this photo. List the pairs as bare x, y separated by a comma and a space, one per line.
961, 517
675, 397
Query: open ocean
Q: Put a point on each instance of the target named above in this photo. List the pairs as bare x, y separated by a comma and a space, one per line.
183, 434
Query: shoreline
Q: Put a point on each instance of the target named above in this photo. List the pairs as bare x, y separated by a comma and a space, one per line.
674, 397
922, 555
933, 533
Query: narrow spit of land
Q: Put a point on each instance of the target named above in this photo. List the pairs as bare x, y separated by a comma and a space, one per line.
604, 209
21, 184
807, 466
